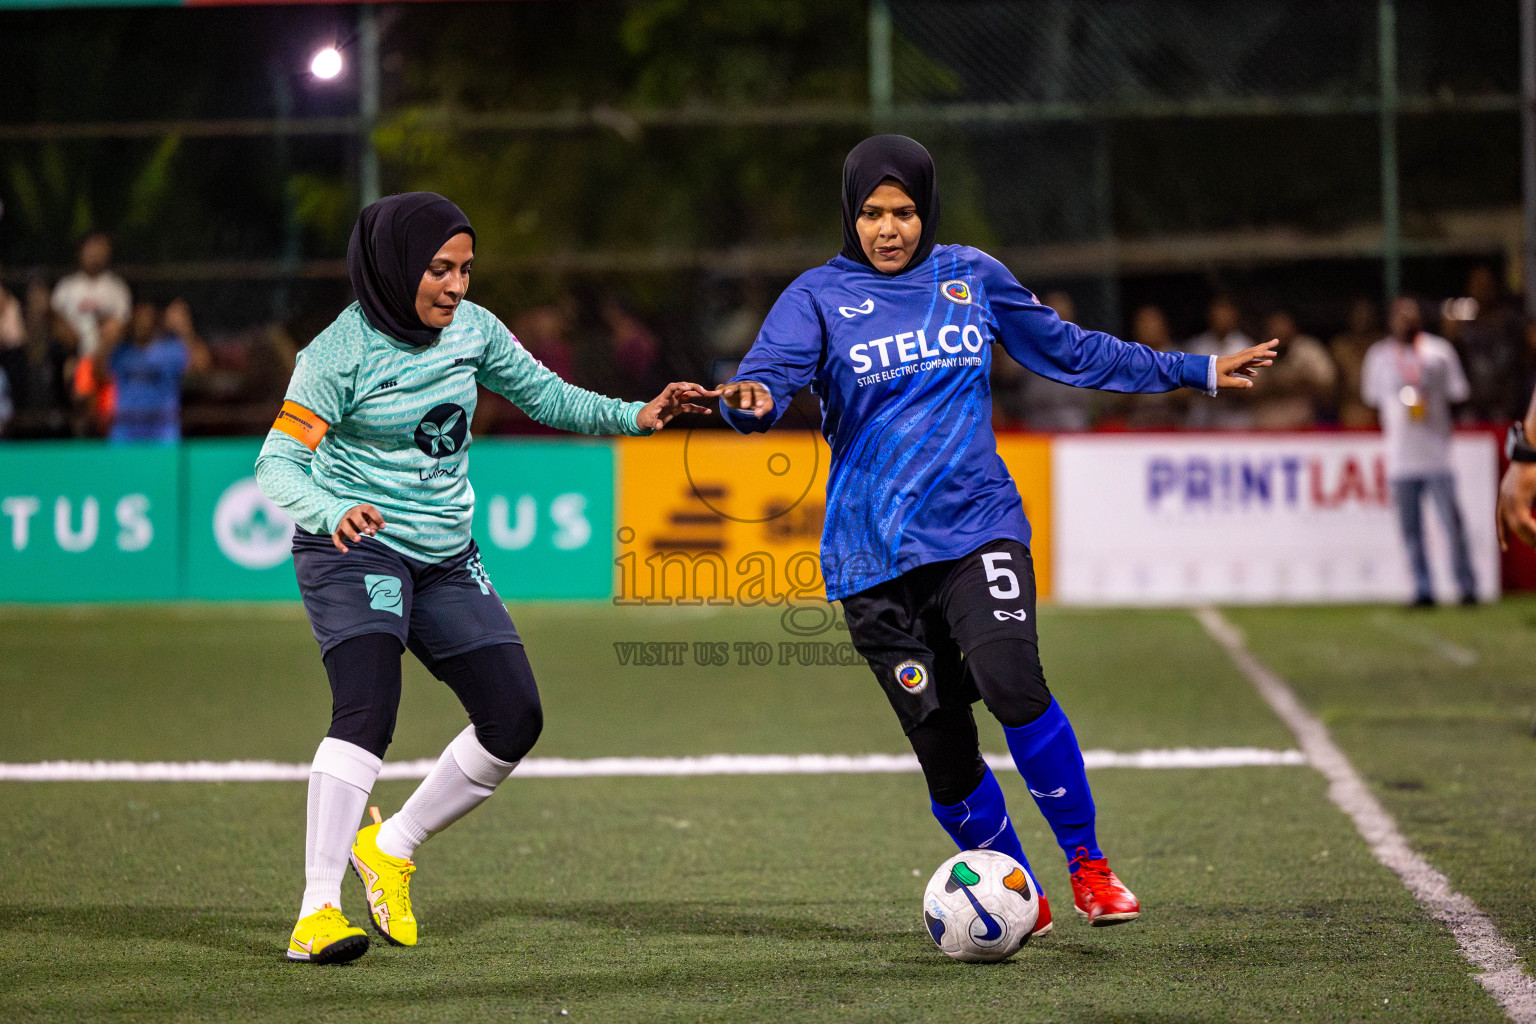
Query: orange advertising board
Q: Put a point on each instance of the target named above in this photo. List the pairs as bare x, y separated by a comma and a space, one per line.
711, 517
716, 517
1028, 458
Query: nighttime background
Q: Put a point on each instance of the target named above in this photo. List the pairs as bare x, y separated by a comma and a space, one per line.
660, 169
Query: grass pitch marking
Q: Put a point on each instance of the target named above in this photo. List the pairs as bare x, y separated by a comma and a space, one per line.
1456, 654
609, 767
1480, 941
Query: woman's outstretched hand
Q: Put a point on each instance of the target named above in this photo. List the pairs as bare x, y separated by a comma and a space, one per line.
1239, 369
359, 522
747, 396
675, 399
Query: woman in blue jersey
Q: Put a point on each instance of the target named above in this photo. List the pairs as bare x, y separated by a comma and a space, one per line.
369, 458
925, 541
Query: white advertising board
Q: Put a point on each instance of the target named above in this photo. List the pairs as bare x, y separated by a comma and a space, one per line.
1255, 519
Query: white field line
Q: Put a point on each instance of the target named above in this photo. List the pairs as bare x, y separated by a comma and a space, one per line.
1480, 942
608, 767
1454, 653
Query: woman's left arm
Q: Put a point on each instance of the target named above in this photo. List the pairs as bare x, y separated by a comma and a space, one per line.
509, 369
1039, 339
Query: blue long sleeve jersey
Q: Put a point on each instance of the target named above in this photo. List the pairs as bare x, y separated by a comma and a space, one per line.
901, 365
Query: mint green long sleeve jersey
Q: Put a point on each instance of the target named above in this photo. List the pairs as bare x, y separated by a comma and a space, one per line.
369, 420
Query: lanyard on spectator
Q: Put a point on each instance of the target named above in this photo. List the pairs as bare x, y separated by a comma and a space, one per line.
1411, 372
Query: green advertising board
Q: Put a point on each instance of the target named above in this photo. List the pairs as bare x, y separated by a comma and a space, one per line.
82, 521
544, 517
238, 544
85, 522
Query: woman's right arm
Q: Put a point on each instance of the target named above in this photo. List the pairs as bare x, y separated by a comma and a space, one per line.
282, 473
318, 396
782, 360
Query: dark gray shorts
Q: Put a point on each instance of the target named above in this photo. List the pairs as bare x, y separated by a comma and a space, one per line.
446, 608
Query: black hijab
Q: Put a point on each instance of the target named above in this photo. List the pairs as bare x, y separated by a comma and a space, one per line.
392, 243
909, 165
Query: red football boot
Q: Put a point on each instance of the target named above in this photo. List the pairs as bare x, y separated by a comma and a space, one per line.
1043, 922
1101, 897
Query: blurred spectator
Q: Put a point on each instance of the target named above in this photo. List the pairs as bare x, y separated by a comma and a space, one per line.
545, 332
1299, 384
6, 408
1349, 350
93, 305
1493, 349
42, 403
733, 314
1045, 404
633, 350
1166, 411
1230, 410
1412, 378
13, 339
147, 367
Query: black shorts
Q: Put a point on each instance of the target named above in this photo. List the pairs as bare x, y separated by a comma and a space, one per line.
916, 629
442, 608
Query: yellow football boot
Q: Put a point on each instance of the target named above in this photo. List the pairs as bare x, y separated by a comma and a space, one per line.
325, 937
387, 880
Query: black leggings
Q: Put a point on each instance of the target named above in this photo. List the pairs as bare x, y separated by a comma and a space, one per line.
1008, 676
495, 685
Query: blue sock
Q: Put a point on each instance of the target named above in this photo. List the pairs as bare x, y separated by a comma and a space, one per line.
1048, 757
980, 822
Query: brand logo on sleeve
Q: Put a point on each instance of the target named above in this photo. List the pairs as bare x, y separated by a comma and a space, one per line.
957, 291
442, 431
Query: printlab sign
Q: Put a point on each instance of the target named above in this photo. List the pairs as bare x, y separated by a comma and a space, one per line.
1251, 519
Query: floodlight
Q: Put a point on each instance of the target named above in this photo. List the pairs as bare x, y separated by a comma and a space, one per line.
326, 64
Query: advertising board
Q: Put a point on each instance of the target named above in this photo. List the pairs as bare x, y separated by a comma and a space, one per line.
1278, 518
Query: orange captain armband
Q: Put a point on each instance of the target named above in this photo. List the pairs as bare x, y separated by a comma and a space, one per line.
301, 425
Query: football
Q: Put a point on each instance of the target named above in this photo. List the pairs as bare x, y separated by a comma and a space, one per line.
980, 906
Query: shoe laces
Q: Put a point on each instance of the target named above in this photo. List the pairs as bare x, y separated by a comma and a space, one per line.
405, 888
1094, 875
332, 915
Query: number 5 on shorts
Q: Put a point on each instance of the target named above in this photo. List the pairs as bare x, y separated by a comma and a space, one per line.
996, 572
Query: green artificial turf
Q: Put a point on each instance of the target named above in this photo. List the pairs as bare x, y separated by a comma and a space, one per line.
224, 682
731, 899
1444, 739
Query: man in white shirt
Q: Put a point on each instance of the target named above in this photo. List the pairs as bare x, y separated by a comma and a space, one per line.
93, 305
93, 302
1223, 337
1412, 378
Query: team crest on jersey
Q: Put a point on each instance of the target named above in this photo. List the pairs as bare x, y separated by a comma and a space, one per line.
912, 676
956, 291
442, 431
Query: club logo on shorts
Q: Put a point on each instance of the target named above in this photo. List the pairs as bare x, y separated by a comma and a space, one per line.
912, 676
441, 432
956, 291
384, 593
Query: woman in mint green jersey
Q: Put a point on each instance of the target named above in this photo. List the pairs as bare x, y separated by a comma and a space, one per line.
370, 457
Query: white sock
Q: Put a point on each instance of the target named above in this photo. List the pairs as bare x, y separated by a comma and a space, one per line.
463, 777
339, 783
